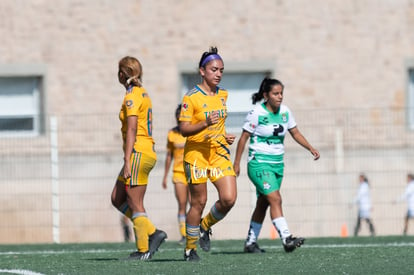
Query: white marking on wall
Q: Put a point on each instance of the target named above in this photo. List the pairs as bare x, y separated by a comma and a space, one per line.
54, 155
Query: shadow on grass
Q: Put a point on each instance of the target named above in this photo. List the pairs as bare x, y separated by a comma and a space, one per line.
228, 253
103, 259
165, 260
132, 260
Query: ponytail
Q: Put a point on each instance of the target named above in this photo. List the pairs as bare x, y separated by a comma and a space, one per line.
132, 70
265, 87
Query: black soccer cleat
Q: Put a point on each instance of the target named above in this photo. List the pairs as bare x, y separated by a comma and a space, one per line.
191, 255
141, 256
253, 248
291, 243
155, 240
204, 240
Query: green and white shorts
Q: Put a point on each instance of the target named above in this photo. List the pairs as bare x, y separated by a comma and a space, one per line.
266, 177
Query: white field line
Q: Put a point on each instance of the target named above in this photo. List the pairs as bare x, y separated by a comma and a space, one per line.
19, 271
357, 245
305, 246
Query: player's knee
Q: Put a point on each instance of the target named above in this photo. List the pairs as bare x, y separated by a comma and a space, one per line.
198, 204
275, 201
228, 202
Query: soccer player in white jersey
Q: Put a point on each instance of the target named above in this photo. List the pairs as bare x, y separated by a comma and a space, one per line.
266, 126
363, 199
408, 196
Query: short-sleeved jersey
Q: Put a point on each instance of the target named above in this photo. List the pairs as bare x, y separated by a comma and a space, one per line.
409, 196
138, 103
363, 196
196, 106
175, 145
268, 132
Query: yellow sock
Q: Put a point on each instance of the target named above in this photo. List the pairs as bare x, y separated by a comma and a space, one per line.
150, 227
211, 218
193, 233
181, 224
182, 229
208, 221
141, 233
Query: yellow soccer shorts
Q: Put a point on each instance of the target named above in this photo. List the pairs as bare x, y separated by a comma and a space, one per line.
179, 177
203, 164
141, 166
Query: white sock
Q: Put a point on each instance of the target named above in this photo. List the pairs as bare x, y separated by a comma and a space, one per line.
254, 231
281, 227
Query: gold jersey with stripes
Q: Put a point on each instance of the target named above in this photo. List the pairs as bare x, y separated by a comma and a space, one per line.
175, 145
196, 107
138, 103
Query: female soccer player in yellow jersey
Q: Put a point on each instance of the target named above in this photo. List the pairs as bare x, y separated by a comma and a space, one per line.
139, 159
206, 153
175, 155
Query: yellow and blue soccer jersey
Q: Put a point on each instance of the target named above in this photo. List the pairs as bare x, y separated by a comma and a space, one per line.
268, 132
138, 103
196, 107
206, 154
175, 145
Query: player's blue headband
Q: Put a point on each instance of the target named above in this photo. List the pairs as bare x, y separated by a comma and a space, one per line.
209, 58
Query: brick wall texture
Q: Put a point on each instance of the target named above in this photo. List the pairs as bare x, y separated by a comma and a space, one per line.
329, 54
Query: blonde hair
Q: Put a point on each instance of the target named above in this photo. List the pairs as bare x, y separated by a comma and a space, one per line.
132, 69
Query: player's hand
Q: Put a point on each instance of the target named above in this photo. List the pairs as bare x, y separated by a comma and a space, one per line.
213, 118
127, 171
236, 168
230, 138
164, 184
315, 154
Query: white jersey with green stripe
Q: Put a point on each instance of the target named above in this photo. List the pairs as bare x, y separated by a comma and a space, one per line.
267, 133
